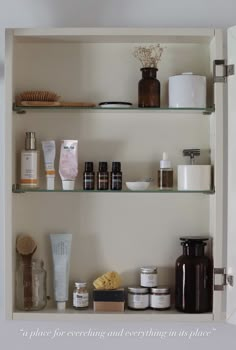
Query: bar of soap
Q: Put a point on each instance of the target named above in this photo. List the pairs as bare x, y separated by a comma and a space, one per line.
114, 295
110, 280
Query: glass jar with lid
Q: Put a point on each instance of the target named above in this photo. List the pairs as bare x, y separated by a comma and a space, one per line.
138, 298
80, 296
148, 276
160, 298
31, 292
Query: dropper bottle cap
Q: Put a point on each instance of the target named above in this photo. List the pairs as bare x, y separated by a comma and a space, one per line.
165, 163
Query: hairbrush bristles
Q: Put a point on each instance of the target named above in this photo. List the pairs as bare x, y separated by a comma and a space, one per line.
46, 96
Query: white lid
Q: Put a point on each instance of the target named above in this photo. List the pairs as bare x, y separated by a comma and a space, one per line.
50, 183
68, 185
165, 163
61, 305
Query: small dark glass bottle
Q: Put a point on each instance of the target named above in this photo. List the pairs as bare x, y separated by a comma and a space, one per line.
194, 277
149, 88
116, 177
88, 177
102, 177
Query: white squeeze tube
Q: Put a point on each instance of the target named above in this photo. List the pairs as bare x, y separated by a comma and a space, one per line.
61, 251
68, 164
49, 152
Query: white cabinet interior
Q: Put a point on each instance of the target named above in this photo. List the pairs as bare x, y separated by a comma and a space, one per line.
112, 231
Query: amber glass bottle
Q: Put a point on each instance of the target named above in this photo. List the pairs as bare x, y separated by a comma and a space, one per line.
194, 277
149, 88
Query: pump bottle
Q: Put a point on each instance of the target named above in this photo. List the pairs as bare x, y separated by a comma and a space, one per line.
165, 173
30, 163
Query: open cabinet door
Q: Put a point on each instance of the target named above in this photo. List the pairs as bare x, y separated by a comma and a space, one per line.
231, 236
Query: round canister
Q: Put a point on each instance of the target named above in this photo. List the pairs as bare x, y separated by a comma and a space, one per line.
194, 177
148, 276
160, 298
187, 91
138, 298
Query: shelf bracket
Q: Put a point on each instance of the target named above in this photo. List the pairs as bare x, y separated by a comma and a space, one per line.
226, 71
226, 280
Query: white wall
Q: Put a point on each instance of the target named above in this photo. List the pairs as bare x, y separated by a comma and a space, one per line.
129, 13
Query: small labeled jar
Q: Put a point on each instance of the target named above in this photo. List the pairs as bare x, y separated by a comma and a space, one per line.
80, 296
148, 276
160, 298
138, 298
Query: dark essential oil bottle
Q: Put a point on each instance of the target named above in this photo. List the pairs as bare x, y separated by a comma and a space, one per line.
116, 177
88, 177
194, 277
102, 177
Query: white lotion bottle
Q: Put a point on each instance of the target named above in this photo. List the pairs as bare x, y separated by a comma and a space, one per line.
30, 162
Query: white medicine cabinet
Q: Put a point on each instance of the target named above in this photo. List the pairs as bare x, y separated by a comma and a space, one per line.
120, 231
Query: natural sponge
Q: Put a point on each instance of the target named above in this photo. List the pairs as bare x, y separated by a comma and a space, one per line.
110, 280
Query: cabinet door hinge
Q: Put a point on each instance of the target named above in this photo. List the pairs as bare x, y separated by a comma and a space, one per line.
225, 279
227, 70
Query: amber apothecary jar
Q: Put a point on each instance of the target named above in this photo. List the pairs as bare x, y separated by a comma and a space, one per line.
149, 88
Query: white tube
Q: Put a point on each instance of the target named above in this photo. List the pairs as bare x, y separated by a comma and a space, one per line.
68, 164
49, 152
61, 251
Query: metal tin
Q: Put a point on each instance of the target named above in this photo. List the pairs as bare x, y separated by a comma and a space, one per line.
160, 298
148, 276
138, 298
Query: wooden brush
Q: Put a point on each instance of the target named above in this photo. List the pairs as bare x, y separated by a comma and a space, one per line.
26, 246
37, 98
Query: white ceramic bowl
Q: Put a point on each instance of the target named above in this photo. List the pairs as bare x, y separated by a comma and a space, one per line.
138, 185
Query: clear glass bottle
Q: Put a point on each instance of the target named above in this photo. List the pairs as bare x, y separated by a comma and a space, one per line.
194, 277
80, 296
31, 296
30, 162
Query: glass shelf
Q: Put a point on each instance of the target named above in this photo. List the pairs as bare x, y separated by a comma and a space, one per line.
42, 190
23, 109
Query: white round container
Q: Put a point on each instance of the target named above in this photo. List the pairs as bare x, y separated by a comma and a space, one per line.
187, 91
194, 177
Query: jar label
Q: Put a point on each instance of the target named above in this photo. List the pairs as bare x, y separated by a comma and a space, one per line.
148, 279
160, 301
138, 301
80, 299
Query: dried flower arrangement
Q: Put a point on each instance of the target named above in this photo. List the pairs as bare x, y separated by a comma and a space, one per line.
149, 56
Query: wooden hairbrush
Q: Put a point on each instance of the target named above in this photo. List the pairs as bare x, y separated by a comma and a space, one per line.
26, 247
37, 98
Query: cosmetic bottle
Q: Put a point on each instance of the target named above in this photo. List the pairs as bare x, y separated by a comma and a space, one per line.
116, 177
165, 173
102, 177
30, 162
88, 176
193, 277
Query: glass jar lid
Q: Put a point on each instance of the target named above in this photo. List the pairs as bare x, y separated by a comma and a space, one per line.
148, 269
80, 284
160, 289
138, 290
